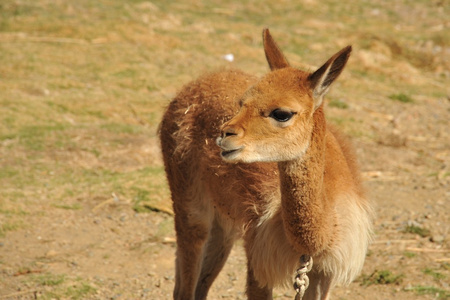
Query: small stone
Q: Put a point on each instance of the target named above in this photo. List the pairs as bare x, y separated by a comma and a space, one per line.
51, 253
169, 240
168, 277
437, 239
413, 223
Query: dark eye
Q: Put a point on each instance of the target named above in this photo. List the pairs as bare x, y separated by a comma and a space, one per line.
281, 115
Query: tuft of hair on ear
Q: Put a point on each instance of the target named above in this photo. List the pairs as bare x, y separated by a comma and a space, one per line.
274, 55
321, 80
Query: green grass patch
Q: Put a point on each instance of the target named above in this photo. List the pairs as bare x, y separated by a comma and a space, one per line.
141, 196
9, 226
127, 73
49, 279
121, 128
14, 194
338, 104
42, 137
59, 286
143, 202
59, 108
381, 277
79, 291
436, 275
165, 228
421, 231
154, 195
75, 206
445, 266
401, 98
430, 290
15, 212
338, 121
409, 254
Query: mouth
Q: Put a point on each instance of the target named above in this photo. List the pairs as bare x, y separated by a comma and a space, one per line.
229, 154
229, 151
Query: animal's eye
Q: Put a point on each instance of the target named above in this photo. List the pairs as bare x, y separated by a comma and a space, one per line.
281, 115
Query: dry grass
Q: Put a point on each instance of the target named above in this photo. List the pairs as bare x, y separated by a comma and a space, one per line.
84, 83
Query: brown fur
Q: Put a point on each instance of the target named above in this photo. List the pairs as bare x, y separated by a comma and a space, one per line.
291, 188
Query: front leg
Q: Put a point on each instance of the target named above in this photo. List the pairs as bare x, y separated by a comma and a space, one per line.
254, 290
189, 256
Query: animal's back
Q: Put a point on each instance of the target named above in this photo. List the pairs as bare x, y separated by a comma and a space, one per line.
188, 132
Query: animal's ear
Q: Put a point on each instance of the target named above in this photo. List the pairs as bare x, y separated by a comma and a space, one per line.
321, 80
274, 56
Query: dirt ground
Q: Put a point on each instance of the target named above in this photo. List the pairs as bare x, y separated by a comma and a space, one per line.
70, 227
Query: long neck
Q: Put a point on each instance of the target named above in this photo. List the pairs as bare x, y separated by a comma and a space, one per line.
307, 217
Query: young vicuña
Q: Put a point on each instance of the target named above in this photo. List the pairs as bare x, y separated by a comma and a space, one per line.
255, 158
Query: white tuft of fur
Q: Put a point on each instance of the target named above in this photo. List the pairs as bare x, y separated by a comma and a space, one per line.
272, 258
344, 261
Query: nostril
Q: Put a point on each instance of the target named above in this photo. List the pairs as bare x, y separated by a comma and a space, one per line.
229, 133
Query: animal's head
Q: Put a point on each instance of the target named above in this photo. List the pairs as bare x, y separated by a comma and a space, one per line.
275, 121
